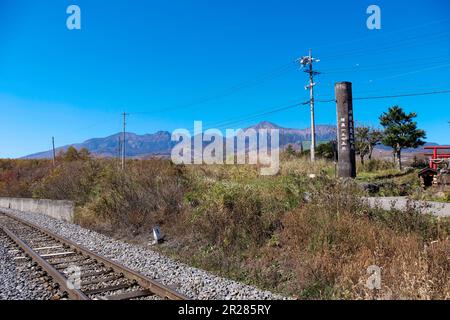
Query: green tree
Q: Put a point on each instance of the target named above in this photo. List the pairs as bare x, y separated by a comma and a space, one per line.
290, 150
326, 150
71, 154
84, 154
400, 131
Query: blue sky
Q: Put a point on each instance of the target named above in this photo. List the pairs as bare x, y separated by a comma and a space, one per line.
172, 62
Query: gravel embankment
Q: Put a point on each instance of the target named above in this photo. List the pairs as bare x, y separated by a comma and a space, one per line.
17, 279
193, 282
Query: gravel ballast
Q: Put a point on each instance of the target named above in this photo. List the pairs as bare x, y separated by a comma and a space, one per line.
18, 279
192, 282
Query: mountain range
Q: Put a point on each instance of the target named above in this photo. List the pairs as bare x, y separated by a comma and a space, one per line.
160, 144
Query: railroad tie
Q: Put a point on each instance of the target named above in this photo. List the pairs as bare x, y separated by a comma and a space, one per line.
100, 280
129, 295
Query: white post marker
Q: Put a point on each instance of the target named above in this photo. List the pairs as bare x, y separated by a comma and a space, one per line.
156, 235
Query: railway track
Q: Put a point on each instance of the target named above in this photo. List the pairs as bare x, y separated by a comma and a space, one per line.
75, 272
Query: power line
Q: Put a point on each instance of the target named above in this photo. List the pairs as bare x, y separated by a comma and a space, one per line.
231, 90
392, 96
378, 35
403, 95
414, 72
214, 124
286, 67
235, 121
411, 41
388, 65
399, 90
414, 41
287, 107
328, 100
276, 110
252, 116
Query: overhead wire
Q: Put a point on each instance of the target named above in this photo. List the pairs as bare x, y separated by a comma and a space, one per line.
416, 40
411, 94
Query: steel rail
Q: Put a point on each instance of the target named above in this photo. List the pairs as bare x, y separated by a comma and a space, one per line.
154, 286
56, 276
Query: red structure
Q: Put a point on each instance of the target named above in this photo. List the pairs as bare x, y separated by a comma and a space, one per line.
436, 158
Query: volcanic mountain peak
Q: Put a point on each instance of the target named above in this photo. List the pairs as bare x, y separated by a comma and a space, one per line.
266, 125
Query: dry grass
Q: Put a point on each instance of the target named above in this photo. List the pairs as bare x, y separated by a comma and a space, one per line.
310, 238
319, 249
330, 254
302, 167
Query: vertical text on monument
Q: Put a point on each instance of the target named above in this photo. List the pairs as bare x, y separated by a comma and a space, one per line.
345, 130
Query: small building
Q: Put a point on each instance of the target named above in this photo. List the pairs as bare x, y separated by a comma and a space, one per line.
426, 176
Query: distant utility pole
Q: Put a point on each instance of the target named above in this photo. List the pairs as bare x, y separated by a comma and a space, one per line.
307, 63
119, 150
124, 114
54, 153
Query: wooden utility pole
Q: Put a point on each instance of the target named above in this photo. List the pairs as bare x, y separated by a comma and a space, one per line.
119, 150
307, 63
54, 153
345, 130
124, 114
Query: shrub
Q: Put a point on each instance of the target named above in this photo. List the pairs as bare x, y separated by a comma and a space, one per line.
375, 165
73, 180
327, 150
17, 177
236, 216
147, 193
